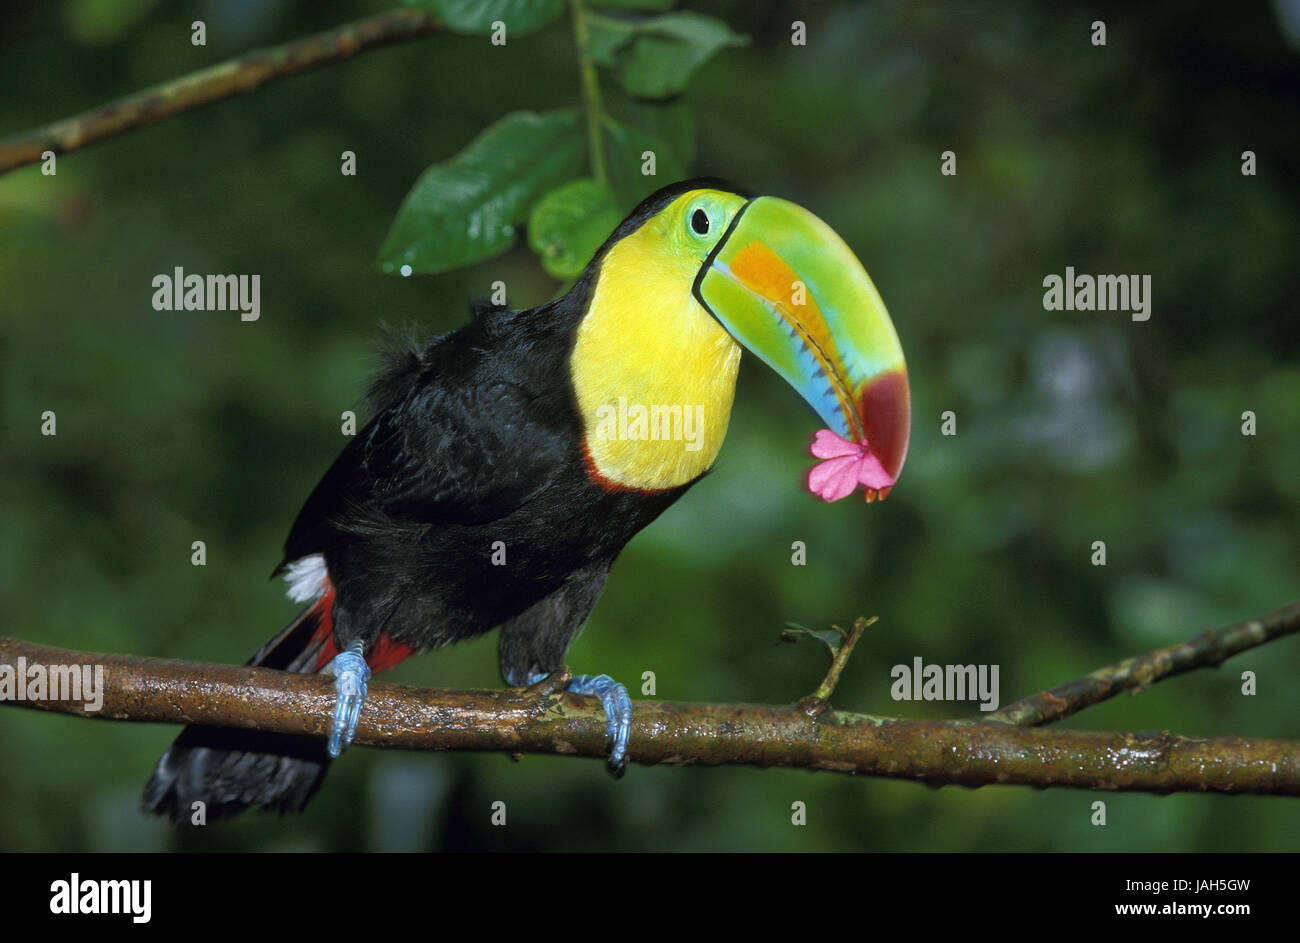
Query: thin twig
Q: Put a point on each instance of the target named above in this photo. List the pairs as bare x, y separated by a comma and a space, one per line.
591, 100
827, 687
1207, 650
819, 700
235, 76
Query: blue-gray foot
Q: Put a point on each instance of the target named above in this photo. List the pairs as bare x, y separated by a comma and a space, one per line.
350, 673
618, 715
618, 710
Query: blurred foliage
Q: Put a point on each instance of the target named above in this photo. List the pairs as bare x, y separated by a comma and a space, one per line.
1072, 426
476, 17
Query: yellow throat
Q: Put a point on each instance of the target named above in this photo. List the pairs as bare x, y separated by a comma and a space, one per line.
654, 372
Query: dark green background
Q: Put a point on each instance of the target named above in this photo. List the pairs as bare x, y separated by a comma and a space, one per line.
1073, 427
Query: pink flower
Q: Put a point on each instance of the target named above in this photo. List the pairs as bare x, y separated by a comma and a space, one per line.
847, 465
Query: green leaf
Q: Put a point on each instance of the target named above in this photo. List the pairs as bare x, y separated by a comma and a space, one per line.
832, 638
626, 149
666, 51
467, 209
477, 16
633, 4
569, 224
605, 36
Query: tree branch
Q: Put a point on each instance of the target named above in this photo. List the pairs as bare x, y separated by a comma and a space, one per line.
1208, 650
970, 753
235, 76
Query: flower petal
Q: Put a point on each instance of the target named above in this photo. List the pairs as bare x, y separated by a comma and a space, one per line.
834, 479
828, 444
872, 474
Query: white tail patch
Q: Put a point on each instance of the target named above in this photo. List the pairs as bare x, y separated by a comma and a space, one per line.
306, 578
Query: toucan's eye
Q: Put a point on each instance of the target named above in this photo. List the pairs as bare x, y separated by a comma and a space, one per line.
700, 223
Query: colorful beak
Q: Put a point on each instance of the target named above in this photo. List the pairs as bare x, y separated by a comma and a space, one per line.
787, 287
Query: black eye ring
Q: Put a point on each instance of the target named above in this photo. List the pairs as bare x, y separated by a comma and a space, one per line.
700, 222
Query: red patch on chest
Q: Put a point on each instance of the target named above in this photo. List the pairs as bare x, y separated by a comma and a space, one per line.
605, 484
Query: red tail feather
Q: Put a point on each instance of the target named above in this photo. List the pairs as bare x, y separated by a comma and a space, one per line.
384, 654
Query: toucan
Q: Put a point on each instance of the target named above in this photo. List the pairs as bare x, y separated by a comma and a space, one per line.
509, 462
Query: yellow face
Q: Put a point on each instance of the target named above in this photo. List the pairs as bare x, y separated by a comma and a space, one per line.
654, 372
688, 228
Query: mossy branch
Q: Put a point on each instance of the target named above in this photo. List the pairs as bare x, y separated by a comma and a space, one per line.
1207, 650
233, 77
963, 752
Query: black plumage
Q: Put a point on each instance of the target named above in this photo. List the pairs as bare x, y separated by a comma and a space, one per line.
476, 438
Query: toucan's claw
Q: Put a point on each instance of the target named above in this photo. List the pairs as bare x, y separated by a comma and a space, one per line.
545, 684
618, 714
350, 675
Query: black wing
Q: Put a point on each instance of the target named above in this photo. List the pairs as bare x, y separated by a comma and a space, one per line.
462, 437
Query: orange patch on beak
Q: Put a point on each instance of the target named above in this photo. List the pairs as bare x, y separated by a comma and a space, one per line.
763, 271
770, 277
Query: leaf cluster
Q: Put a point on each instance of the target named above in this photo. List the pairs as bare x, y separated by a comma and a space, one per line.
541, 170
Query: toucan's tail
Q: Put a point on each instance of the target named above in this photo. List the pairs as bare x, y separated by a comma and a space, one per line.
229, 770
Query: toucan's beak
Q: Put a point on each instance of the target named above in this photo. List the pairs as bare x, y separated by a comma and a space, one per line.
788, 288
